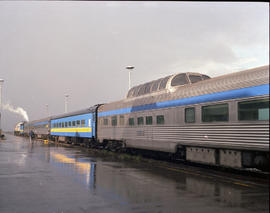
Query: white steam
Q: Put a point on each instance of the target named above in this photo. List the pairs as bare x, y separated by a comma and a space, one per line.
17, 110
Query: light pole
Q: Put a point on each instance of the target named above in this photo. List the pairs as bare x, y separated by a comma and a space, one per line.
129, 68
66, 103
1, 83
47, 109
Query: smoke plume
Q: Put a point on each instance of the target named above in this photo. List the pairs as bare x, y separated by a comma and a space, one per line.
17, 110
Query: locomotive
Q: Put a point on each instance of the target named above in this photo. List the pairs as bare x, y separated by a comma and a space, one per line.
221, 121
19, 128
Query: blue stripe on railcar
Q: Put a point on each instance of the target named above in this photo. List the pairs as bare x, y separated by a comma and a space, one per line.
218, 96
40, 123
85, 131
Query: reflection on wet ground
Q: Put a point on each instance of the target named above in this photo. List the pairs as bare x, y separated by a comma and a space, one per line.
41, 178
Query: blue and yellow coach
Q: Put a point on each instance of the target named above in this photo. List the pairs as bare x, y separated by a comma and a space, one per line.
80, 124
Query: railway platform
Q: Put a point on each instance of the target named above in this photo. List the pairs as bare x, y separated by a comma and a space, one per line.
44, 177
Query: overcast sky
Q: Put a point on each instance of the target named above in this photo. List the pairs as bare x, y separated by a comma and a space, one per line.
49, 48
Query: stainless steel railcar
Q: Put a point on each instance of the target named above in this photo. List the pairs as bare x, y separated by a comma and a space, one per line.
40, 128
221, 121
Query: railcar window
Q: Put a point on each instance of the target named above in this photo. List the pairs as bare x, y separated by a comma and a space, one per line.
142, 90
114, 120
122, 120
131, 122
155, 85
163, 83
65, 124
105, 121
130, 92
179, 79
253, 110
140, 121
148, 120
147, 88
136, 90
78, 123
83, 123
151, 85
212, 113
204, 77
160, 119
194, 78
190, 115
69, 123
73, 123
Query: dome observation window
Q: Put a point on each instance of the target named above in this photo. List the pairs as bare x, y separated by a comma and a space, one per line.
147, 88
156, 85
180, 79
205, 77
130, 92
160, 84
142, 89
163, 83
136, 90
194, 78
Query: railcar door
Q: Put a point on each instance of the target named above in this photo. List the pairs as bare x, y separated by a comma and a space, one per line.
91, 124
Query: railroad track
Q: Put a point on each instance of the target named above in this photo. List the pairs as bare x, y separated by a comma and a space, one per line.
243, 177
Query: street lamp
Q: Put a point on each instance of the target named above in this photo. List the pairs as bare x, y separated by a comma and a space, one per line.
47, 109
66, 103
1, 83
129, 68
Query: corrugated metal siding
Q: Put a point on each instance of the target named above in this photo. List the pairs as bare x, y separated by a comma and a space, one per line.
235, 136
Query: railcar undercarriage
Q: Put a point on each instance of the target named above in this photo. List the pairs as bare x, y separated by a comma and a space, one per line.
228, 158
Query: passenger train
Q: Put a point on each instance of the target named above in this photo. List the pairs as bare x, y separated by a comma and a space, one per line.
220, 121
19, 128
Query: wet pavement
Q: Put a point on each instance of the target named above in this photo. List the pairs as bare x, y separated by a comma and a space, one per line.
40, 178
